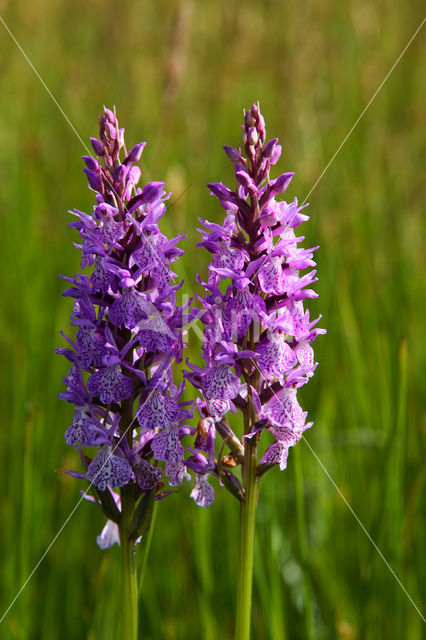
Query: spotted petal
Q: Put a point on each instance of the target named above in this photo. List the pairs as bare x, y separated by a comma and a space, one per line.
220, 382
276, 357
147, 476
90, 347
305, 355
129, 309
271, 277
176, 471
107, 469
276, 453
202, 492
157, 410
85, 429
217, 408
101, 278
156, 335
110, 384
166, 445
283, 410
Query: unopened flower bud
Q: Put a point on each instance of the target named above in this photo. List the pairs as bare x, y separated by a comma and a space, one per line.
135, 153
233, 154
98, 147
109, 131
252, 137
249, 119
91, 163
269, 148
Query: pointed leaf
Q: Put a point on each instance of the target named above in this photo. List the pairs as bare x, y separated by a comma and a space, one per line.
108, 505
142, 517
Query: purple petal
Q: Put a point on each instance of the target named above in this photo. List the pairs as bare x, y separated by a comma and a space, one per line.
129, 309
135, 153
109, 536
107, 469
220, 382
203, 492
110, 384
85, 429
98, 147
147, 476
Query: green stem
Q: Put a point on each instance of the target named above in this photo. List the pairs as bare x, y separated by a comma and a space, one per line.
247, 520
129, 583
301, 526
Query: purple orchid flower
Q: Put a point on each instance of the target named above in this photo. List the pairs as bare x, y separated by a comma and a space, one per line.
129, 332
257, 341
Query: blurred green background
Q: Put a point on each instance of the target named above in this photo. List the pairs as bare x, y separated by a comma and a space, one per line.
180, 73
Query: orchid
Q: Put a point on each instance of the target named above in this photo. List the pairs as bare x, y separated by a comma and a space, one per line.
128, 335
257, 338
256, 346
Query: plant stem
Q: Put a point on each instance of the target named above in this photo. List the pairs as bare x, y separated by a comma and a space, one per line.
129, 583
247, 520
302, 535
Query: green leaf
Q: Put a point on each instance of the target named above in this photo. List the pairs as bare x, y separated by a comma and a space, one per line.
108, 505
142, 517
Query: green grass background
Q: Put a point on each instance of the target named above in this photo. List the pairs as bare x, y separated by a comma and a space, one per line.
180, 73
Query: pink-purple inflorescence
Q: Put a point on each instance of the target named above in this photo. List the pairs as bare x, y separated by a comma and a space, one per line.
129, 333
129, 329
257, 334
